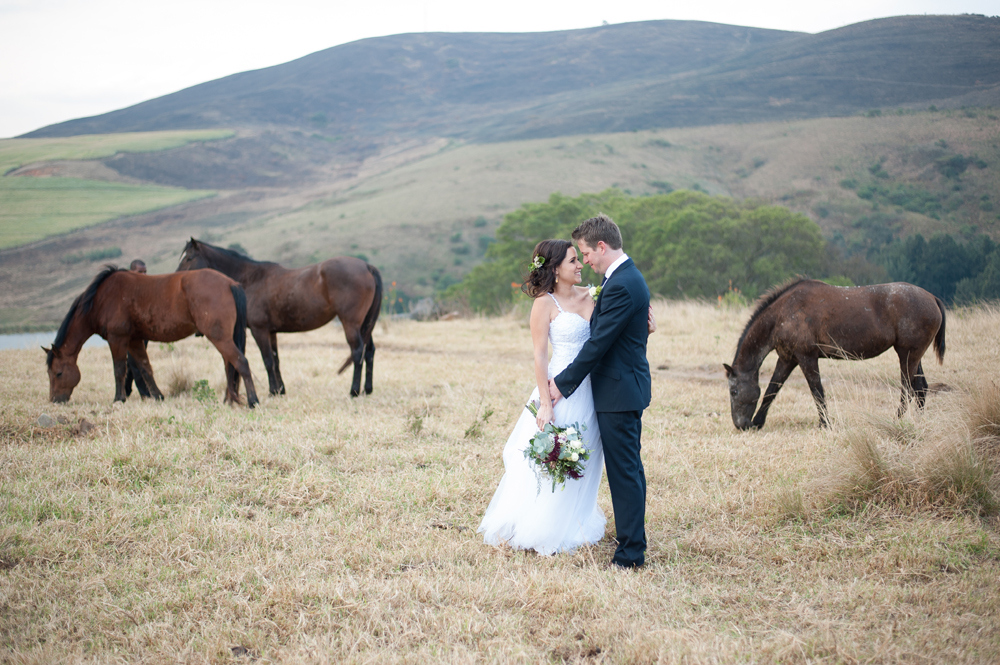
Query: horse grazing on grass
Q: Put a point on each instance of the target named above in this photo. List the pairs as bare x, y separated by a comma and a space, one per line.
283, 300
126, 308
805, 320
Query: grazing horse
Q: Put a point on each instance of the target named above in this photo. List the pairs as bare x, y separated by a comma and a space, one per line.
283, 300
805, 320
126, 308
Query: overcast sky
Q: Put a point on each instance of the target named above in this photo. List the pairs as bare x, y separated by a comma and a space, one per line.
64, 59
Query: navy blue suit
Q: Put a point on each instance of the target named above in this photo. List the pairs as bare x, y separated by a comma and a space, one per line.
615, 359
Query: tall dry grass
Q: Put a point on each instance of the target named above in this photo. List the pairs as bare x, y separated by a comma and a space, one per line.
319, 529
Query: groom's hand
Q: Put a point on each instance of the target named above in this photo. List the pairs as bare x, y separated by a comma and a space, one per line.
554, 392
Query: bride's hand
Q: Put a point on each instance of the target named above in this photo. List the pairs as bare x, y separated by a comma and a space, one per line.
544, 416
651, 321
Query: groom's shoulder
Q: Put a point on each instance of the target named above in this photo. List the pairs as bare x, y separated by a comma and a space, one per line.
630, 271
633, 280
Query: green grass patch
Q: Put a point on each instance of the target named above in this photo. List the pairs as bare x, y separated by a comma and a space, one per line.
18, 152
35, 208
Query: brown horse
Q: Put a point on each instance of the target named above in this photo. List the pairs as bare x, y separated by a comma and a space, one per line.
126, 308
806, 320
283, 300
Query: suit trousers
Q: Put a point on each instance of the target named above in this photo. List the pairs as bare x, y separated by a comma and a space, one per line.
620, 436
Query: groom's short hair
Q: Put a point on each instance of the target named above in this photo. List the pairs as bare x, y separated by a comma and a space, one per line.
598, 229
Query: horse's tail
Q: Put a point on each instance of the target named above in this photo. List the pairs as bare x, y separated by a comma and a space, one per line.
939, 338
371, 318
240, 329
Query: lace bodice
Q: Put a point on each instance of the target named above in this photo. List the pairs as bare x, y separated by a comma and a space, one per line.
567, 333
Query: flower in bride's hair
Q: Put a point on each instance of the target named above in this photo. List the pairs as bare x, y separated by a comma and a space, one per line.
537, 262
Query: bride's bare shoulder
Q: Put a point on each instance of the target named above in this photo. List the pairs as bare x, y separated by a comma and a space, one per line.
542, 303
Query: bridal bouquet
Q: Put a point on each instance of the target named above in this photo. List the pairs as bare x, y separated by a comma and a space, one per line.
557, 452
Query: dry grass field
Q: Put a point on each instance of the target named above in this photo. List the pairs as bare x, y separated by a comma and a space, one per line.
321, 529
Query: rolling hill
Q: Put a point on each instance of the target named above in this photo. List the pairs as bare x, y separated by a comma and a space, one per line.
654, 74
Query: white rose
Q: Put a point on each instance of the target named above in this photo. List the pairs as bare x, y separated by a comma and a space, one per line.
574, 457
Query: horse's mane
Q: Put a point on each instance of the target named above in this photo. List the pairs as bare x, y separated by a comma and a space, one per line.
766, 301
80, 306
228, 253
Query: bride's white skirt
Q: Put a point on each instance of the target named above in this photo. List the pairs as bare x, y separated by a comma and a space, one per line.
545, 521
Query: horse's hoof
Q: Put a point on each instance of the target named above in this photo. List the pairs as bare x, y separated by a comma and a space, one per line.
355, 393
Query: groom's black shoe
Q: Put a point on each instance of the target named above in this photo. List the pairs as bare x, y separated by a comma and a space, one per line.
614, 565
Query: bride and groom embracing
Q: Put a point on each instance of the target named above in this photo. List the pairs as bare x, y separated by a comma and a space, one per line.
599, 377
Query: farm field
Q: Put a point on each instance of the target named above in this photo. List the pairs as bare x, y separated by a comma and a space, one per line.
323, 529
15, 153
33, 207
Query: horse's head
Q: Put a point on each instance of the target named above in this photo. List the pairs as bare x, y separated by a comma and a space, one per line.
744, 391
63, 374
192, 258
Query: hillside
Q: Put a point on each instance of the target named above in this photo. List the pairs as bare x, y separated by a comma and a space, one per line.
425, 212
493, 86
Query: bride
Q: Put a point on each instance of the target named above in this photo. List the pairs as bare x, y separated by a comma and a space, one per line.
524, 513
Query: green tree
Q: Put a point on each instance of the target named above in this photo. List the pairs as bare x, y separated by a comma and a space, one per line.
688, 244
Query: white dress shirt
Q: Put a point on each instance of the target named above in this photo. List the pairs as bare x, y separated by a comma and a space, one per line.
620, 260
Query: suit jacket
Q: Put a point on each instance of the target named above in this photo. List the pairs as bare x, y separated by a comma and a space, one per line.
615, 354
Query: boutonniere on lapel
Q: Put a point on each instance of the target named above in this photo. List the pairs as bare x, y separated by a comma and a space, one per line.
594, 291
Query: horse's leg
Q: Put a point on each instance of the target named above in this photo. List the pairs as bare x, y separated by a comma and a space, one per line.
119, 351
357, 344
136, 375
129, 362
142, 370
236, 363
277, 363
270, 356
782, 370
920, 386
369, 362
909, 367
810, 367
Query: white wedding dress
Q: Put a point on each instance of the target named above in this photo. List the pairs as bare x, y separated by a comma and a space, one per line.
526, 517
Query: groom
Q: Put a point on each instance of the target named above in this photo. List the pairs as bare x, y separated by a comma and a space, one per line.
615, 358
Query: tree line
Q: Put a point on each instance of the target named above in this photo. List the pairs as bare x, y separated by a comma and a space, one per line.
692, 245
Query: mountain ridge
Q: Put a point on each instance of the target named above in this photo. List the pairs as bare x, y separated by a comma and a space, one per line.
650, 74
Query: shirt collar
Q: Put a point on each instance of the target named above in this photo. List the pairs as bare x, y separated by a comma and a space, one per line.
614, 266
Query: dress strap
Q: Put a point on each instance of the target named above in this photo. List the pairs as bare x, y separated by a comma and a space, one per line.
556, 301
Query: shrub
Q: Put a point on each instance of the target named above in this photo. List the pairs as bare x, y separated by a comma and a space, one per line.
102, 254
202, 391
687, 244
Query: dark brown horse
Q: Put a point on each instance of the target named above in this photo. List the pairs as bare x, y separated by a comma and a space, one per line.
126, 308
283, 300
806, 320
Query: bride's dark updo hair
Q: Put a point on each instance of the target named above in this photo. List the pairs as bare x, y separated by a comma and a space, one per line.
546, 258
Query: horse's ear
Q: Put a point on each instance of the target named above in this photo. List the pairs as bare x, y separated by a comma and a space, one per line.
46, 350
729, 371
